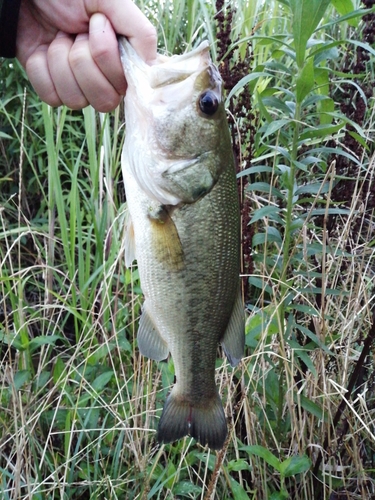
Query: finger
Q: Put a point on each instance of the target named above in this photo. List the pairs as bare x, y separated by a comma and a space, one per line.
98, 91
65, 83
40, 78
104, 50
129, 21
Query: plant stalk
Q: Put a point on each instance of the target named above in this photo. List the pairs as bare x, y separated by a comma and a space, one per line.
286, 251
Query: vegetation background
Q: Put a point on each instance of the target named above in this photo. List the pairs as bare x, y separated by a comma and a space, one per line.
78, 404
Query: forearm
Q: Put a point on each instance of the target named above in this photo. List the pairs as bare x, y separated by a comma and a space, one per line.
9, 10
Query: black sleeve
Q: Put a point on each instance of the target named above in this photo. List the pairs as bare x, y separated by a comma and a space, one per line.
9, 10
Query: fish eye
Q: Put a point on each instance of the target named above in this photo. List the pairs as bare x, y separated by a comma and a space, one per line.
208, 103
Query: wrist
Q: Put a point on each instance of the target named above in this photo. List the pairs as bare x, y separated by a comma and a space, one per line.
9, 10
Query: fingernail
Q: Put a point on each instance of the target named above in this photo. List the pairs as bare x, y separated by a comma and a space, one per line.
81, 36
62, 34
98, 22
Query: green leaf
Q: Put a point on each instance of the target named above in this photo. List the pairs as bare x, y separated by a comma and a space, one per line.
101, 381
43, 340
238, 464
171, 473
312, 336
268, 211
313, 188
353, 16
208, 460
187, 489
307, 14
265, 320
275, 126
12, 340
67, 433
255, 170
100, 353
58, 370
302, 352
262, 452
263, 108
305, 80
295, 465
359, 139
310, 406
20, 378
271, 235
336, 151
264, 187
322, 130
237, 490
330, 211
123, 342
345, 7
245, 81
279, 495
3, 135
41, 380
261, 284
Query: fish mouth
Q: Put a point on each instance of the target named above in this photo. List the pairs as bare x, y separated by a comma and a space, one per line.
166, 70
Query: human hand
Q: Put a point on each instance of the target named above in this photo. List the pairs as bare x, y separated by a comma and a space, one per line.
70, 51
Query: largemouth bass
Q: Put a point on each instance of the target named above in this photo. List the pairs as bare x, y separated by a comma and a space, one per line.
182, 199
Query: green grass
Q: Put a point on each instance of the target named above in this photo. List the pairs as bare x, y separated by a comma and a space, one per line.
78, 404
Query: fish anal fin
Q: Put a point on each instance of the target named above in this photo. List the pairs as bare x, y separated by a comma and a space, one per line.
165, 239
150, 343
233, 341
206, 422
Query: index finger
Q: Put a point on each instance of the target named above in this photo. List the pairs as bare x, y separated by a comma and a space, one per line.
127, 20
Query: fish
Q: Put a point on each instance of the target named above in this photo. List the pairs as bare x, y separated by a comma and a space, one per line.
183, 229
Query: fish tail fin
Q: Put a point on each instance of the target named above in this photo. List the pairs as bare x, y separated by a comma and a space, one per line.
206, 422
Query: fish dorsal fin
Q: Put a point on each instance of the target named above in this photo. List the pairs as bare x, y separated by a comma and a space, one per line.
150, 343
129, 240
233, 341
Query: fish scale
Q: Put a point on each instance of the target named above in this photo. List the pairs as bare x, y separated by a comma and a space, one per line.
184, 214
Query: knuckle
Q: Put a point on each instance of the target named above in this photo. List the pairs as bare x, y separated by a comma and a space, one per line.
53, 100
109, 104
150, 34
101, 52
79, 102
57, 48
41, 81
77, 55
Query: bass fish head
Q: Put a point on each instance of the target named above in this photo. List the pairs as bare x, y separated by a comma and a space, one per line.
177, 140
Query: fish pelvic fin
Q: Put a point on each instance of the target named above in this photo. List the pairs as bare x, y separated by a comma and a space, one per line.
129, 240
205, 422
233, 341
150, 343
166, 240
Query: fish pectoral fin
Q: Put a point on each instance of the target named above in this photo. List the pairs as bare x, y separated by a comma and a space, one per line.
129, 240
150, 343
205, 422
166, 240
233, 341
